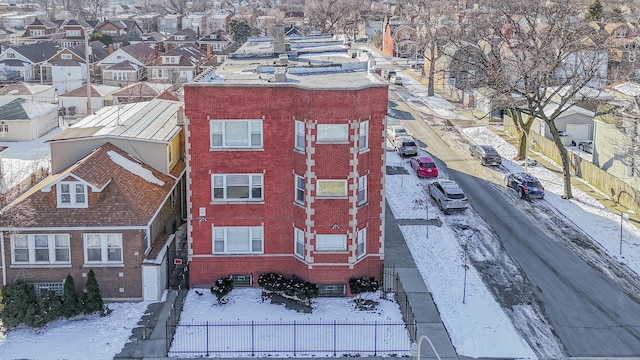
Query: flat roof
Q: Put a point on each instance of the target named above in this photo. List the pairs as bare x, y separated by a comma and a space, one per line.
310, 62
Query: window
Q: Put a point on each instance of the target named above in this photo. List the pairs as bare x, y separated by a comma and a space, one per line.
40, 249
364, 136
73, 33
237, 187
300, 189
333, 133
299, 135
169, 59
119, 75
180, 37
11, 55
362, 190
36, 32
237, 240
103, 248
4, 129
329, 242
299, 242
72, 194
236, 133
66, 56
362, 243
632, 55
331, 188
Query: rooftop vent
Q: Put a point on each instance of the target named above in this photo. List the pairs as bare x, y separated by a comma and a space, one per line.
280, 75
283, 59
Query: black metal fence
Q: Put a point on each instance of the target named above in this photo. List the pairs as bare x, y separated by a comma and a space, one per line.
263, 339
174, 316
405, 308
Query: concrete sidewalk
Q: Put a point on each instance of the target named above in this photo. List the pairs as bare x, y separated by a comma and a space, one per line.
153, 346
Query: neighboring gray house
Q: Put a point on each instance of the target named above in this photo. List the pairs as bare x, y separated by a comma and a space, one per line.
178, 65
169, 23
29, 60
180, 38
26, 120
576, 121
127, 64
151, 130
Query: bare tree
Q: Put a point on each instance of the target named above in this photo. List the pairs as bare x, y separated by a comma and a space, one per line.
331, 15
540, 50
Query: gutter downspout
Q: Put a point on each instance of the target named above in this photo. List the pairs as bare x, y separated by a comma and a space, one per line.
4, 268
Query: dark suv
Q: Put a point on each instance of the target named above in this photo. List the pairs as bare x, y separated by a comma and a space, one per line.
486, 154
526, 185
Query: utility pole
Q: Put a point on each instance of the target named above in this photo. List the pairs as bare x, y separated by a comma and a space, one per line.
87, 53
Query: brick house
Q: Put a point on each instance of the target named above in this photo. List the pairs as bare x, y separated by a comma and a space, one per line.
39, 30
106, 212
286, 168
122, 32
73, 32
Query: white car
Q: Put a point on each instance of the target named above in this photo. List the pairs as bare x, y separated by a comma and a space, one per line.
394, 132
448, 195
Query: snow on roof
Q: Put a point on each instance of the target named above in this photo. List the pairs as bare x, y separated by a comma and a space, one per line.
628, 88
134, 167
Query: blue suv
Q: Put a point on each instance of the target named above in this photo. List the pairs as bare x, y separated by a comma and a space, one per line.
526, 185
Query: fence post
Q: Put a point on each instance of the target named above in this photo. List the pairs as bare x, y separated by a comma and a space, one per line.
253, 340
295, 340
375, 338
335, 345
207, 337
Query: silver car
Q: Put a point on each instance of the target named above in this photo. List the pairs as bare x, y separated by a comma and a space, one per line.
448, 195
586, 146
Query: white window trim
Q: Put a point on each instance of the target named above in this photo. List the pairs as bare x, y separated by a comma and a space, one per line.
225, 186
328, 133
72, 195
256, 233
51, 242
66, 56
298, 242
103, 248
362, 243
251, 126
299, 179
300, 137
324, 194
362, 188
363, 132
334, 242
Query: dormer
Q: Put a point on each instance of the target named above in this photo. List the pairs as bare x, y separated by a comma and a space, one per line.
180, 37
73, 33
72, 191
170, 59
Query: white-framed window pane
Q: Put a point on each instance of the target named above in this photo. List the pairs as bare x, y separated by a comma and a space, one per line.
114, 248
237, 187
333, 132
236, 133
256, 134
103, 248
362, 243
299, 242
331, 242
362, 190
65, 193
20, 248
331, 188
299, 189
238, 240
364, 135
299, 143
41, 245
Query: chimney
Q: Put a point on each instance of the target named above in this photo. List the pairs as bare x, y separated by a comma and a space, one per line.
157, 51
208, 51
110, 49
180, 115
198, 32
278, 39
280, 75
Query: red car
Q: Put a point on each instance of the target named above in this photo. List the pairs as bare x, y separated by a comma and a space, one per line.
424, 166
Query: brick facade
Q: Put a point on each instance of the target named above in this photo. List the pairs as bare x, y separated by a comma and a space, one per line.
278, 161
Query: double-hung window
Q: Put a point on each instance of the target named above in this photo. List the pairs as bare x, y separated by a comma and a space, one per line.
299, 189
364, 136
238, 240
362, 190
300, 131
40, 249
237, 187
72, 194
235, 134
299, 242
333, 133
103, 248
361, 250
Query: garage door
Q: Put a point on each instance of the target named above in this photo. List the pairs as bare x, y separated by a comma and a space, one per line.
579, 131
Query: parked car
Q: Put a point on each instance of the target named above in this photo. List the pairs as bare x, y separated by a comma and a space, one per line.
394, 132
406, 146
448, 195
396, 80
526, 185
389, 74
586, 146
486, 154
566, 139
424, 166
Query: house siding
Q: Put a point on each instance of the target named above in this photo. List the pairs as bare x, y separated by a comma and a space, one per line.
278, 107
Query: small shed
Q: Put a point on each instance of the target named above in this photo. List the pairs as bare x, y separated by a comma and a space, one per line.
26, 120
74, 102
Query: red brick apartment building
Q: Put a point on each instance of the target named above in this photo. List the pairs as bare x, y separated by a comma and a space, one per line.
286, 167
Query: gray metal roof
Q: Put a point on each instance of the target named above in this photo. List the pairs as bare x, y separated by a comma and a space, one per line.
155, 120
